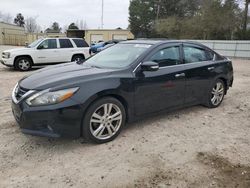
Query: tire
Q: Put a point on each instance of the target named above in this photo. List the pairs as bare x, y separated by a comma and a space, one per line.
77, 58
100, 128
216, 94
23, 64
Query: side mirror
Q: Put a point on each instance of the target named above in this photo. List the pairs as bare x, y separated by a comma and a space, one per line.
150, 66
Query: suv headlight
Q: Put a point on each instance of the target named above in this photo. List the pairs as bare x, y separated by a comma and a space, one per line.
6, 55
48, 97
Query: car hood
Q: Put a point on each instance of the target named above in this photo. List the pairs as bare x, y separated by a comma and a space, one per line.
17, 50
62, 75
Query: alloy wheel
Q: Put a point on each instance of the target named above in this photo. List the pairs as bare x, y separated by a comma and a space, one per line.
106, 121
217, 93
24, 64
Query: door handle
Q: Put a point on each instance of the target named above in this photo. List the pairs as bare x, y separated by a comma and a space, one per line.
180, 75
210, 68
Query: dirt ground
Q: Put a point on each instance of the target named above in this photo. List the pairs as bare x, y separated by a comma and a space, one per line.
193, 147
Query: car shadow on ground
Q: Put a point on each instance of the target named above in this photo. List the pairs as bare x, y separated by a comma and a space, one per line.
70, 144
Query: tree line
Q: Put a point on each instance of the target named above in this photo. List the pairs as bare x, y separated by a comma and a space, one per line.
31, 26
190, 19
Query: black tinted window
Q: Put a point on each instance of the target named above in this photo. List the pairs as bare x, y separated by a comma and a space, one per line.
80, 43
193, 54
65, 43
48, 44
167, 57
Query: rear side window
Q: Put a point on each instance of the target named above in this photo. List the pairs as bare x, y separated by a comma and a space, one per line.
65, 43
167, 56
193, 54
80, 43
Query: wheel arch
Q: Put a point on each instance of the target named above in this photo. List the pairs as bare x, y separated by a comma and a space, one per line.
27, 56
225, 81
77, 54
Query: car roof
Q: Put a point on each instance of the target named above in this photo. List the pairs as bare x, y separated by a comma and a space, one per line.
61, 38
160, 41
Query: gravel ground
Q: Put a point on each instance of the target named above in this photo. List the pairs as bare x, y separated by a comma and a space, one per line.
193, 147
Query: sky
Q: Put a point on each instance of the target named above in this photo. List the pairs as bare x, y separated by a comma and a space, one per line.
67, 11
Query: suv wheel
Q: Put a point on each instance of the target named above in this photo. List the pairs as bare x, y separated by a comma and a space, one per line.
23, 63
78, 58
104, 120
216, 94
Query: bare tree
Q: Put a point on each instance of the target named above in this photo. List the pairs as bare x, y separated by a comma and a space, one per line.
81, 24
31, 25
85, 26
6, 17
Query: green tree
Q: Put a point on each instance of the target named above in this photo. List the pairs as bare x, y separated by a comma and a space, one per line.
141, 17
55, 28
73, 26
19, 20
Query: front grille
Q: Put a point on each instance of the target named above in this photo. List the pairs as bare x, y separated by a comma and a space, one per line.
20, 92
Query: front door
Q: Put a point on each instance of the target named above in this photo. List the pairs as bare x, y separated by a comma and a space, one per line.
46, 52
156, 91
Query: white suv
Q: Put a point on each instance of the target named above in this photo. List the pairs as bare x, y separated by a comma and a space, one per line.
46, 51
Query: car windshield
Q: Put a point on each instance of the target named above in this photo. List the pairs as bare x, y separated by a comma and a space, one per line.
35, 43
117, 56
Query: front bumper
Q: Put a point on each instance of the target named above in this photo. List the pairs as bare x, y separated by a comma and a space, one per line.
7, 62
50, 121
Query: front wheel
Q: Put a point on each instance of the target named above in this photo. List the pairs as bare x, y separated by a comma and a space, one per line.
104, 120
216, 94
23, 64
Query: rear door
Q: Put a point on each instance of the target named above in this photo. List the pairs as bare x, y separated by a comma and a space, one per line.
199, 67
155, 91
66, 50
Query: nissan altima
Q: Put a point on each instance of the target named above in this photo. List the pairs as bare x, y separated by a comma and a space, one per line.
130, 80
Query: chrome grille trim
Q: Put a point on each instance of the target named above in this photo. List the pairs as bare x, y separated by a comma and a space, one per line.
22, 96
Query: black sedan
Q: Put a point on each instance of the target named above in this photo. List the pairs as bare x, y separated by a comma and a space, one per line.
130, 80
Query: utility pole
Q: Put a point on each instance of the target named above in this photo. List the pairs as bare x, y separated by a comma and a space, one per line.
245, 18
158, 11
102, 14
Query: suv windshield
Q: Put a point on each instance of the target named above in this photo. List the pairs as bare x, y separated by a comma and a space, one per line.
117, 56
35, 43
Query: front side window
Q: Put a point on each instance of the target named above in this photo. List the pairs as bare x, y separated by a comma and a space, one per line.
35, 43
80, 43
48, 44
65, 43
117, 56
167, 57
193, 54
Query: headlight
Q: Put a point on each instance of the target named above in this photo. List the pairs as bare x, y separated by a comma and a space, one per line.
48, 97
6, 55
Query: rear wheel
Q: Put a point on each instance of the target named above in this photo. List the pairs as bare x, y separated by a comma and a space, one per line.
104, 120
216, 94
23, 63
77, 58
